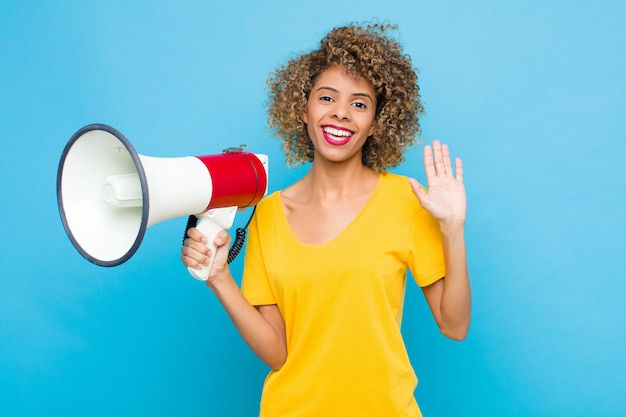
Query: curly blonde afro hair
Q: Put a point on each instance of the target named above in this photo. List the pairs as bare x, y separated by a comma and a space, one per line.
365, 52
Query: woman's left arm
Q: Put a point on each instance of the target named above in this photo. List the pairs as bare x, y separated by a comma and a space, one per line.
450, 298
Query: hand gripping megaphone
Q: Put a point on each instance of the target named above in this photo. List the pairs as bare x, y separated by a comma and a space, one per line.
108, 194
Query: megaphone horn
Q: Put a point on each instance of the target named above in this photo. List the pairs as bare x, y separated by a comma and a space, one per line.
108, 194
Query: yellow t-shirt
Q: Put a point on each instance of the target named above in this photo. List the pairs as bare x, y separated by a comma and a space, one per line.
342, 304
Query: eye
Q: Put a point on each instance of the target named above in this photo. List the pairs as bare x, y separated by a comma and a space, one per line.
360, 105
325, 98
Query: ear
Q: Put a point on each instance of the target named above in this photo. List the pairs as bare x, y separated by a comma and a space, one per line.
304, 117
373, 127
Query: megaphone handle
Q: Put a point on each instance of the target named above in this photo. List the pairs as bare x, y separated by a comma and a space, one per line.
211, 223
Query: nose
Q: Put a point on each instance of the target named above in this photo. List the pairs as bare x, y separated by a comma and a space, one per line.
341, 110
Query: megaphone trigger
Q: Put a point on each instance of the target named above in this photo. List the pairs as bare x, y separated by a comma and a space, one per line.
211, 223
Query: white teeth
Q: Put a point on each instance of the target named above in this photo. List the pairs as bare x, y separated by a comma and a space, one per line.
337, 132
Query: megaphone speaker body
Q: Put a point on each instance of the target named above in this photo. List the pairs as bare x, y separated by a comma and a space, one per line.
108, 194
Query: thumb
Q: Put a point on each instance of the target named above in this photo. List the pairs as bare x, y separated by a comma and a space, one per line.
418, 189
420, 192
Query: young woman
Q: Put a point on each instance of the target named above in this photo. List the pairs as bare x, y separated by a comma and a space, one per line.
326, 259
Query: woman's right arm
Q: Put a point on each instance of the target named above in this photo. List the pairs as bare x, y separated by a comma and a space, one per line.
261, 327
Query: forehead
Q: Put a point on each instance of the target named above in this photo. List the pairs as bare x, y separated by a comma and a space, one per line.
339, 79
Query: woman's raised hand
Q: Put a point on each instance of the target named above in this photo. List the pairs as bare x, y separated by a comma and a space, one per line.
445, 199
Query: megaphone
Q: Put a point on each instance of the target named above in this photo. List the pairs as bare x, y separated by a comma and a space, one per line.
108, 194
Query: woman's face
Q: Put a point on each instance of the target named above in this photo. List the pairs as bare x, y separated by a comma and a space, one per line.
340, 115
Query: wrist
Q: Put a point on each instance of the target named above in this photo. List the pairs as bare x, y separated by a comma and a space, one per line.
220, 282
451, 228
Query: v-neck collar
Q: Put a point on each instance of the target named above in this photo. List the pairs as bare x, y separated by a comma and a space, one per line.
282, 217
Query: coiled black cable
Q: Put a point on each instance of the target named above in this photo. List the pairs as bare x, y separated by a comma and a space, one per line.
192, 221
240, 238
240, 235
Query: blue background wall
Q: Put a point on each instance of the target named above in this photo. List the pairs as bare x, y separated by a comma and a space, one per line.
531, 94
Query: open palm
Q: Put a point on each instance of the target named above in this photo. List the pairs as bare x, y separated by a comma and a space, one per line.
445, 199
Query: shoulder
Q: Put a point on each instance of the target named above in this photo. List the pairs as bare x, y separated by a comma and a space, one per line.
391, 178
395, 190
396, 184
265, 213
268, 203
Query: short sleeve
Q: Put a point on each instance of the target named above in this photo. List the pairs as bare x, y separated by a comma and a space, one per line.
426, 260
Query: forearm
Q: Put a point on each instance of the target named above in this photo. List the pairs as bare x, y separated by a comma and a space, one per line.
263, 338
456, 299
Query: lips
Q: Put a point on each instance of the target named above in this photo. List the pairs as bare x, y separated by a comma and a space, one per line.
337, 136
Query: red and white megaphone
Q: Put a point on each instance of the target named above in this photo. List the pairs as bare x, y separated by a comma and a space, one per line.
108, 194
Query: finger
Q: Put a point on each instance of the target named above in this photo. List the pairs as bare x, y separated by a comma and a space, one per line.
446, 160
194, 254
429, 166
196, 235
193, 259
438, 156
459, 169
197, 253
190, 262
194, 245
222, 239
418, 190
415, 185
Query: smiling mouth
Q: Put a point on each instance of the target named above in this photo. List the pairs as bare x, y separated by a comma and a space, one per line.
336, 136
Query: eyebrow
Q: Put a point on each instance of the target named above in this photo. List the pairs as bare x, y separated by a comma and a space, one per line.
366, 95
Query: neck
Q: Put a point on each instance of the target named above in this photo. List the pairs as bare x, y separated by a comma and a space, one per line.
339, 180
